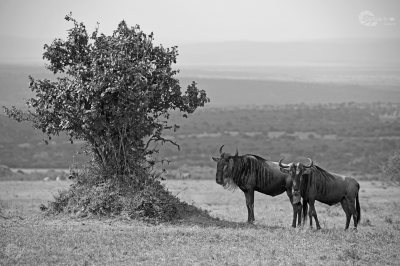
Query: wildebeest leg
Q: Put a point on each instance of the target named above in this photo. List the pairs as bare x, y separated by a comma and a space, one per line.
345, 207
294, 206
250, 205
298, 207
313, 214
305, 210
351, 204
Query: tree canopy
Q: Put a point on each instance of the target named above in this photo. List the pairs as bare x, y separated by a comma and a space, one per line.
114, 92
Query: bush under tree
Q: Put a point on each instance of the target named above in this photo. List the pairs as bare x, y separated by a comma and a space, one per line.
116, 93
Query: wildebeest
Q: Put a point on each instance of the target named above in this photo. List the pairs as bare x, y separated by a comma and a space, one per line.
253, 173
314, 183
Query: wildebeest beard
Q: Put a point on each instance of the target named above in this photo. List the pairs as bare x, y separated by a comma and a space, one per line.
229, 184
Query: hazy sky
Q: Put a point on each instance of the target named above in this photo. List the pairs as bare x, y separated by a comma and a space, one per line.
186, 21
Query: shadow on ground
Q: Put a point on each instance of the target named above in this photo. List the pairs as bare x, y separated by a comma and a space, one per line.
192, 215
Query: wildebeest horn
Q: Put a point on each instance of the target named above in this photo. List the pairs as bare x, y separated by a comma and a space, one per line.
281, 165
237, 152
311, 163
220, 149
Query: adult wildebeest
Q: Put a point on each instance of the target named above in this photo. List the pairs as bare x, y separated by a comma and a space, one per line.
314, 183
252, 173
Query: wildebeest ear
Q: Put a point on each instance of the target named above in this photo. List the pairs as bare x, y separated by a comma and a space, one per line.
215, 159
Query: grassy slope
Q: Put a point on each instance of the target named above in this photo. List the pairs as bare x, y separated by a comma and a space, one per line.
39, 240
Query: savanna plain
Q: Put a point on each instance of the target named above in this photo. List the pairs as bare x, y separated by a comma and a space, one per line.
28, 237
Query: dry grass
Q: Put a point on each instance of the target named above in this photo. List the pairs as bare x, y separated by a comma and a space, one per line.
36, 239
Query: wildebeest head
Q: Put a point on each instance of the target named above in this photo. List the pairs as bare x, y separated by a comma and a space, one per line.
301, 169
287, 168
296, 172
224, 166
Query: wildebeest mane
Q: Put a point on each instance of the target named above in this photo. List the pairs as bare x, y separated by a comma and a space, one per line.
319, 179
248, 165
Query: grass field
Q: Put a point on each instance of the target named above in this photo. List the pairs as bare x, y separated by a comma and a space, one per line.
27, 237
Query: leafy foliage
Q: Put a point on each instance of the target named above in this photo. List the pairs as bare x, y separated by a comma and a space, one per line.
114, 92
392, 169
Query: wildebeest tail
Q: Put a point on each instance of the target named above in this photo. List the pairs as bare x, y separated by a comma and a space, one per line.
358, 209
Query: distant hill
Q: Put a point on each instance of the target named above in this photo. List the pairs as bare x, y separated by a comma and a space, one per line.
14, 82
370, 52
242, 72
347, 52
250, 85
277, 92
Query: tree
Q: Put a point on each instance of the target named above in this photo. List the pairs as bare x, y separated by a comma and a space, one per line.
114, 92
391, 170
